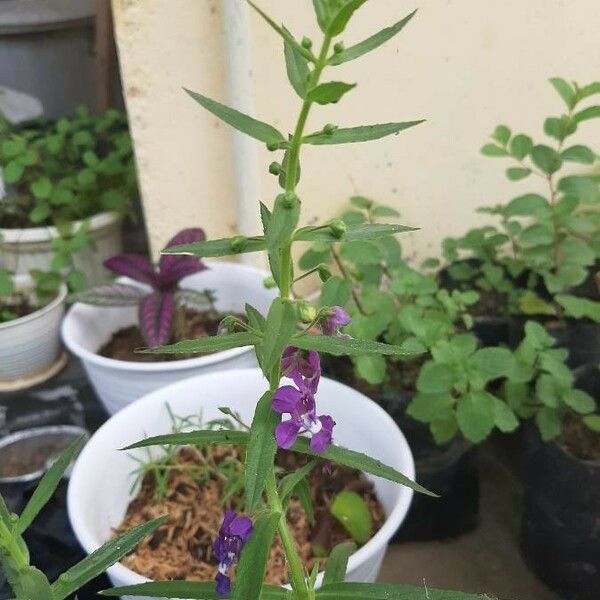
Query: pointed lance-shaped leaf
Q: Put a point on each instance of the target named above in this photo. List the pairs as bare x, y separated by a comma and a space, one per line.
47, 486
363, 133
171, 268
192, 590
133, 266
384, 591
362, 231
102, 558
296, 67
215, 343
337, 454
262, 447
250, 572
240, 121
337, 563
371, 43
283, 32
329, 92
220, 247
347, 346
156, 314
112, 294
342, 16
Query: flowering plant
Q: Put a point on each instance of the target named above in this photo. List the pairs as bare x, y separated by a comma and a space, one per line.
157, 308
287, 342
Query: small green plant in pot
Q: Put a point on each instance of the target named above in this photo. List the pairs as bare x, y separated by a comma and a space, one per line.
26, 580
287, 343
441, 398
76, 175
562, 492
31, 308
546, 248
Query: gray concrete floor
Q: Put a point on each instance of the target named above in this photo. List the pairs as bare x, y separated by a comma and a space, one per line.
484, 561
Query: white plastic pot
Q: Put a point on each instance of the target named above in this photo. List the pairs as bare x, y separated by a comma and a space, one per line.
117, 382
24, 249
31, 344
99, 490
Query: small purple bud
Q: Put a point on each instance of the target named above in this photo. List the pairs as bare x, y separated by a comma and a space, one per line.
332, 321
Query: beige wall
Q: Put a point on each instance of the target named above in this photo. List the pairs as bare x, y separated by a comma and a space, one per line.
465, 65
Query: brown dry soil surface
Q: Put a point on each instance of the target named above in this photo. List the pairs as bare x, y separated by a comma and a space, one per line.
181, 549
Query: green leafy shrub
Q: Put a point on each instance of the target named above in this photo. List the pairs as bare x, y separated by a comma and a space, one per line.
546, 243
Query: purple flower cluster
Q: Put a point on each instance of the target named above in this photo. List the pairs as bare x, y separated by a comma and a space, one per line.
299, 402
333, 320
233, 534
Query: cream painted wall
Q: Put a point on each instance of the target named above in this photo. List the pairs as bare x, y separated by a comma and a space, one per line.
465, 65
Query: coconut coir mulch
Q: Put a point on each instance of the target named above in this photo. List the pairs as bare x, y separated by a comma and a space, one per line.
181, 549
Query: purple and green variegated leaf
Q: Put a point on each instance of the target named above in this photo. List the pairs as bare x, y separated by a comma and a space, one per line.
134, 266
115, 294
173, 269
156, 314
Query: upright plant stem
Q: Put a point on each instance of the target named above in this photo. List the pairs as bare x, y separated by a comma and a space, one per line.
9, 542
297, 574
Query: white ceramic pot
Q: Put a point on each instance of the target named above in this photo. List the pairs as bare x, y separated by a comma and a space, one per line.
99, 490
24, 249
30, 345
118, 383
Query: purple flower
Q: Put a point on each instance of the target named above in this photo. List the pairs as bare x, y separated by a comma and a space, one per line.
299, 403
233, 534
307, 364
335, 318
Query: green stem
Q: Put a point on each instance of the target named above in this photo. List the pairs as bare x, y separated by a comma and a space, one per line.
297, 575
9, 542
299, 585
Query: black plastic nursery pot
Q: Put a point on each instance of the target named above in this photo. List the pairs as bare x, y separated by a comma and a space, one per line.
560, 528
449, 470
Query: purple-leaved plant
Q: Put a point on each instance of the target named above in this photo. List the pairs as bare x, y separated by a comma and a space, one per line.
157, 307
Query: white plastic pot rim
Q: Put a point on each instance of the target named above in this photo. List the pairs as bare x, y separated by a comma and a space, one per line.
44, 234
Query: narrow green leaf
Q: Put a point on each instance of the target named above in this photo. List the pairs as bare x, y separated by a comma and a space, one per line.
363, 133
337, 563
296, 67
592, 112
342, 346
262, 447
290, 481
329, 92
383, 591
251, 568
215, 343
362, 462
323, 12
221, 247
284, 33
370, 43
280, 326
361, 231
244, 123
193, 590
564, 89
47, 485
102, 558
5, 514
588, 90
302, 492
337, 454
340, 19
282, 223
207, 437
255, 318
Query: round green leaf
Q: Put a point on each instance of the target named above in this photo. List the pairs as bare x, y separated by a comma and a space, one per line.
476, 415
546, 159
